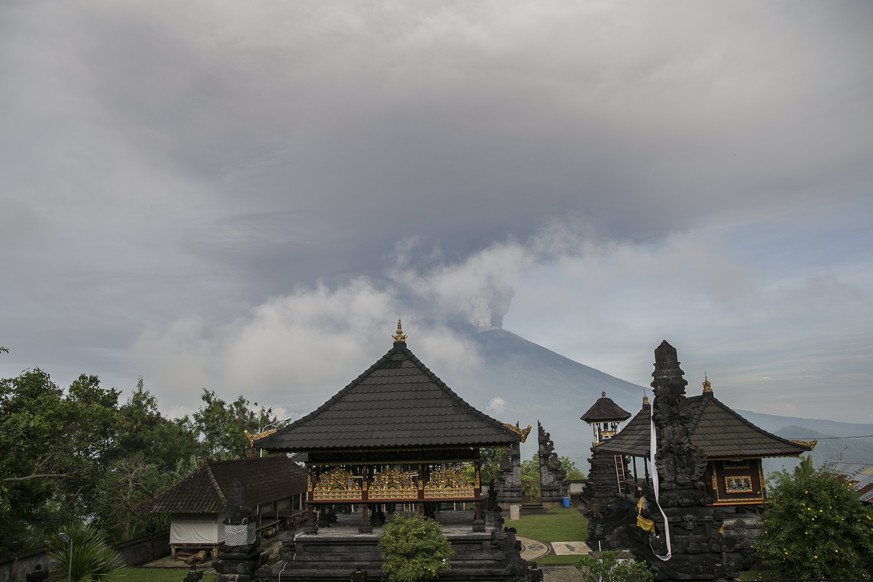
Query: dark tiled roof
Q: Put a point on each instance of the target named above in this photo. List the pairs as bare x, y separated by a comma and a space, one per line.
633, 439
397, 402
719, 431
266, 479
605, 409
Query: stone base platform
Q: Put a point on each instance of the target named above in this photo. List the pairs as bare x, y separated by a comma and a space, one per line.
339, 552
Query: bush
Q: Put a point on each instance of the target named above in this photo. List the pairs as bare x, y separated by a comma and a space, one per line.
413, 549
814, 526
93, 559
609, 568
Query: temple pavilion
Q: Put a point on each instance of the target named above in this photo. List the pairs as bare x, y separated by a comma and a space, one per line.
397, 438
734, 449
693, 516
397, 434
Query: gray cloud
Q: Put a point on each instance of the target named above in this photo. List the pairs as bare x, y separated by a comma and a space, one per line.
175, 172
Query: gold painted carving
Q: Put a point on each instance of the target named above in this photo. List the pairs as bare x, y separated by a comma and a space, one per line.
448, 483
738, 484
810, 445
253, 437
521, 432
399, 336
337, 485
393, 484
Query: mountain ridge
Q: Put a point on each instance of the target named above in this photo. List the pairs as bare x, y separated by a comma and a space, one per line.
519, 380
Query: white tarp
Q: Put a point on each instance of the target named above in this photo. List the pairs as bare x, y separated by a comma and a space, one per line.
196, 529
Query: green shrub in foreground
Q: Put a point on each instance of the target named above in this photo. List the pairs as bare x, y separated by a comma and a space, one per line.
92, 558
815, 527
413, 549
609, 568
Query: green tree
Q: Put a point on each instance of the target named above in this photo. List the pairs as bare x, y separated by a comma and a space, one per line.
530, 477
78, 455
162, 441
489, 465
221, 426
573, 472
37, 481
413, 549
814, 526
609, 567
149, 456
490, 462
126, 484
90, 559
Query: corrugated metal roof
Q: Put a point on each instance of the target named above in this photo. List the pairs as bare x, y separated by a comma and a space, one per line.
397, 402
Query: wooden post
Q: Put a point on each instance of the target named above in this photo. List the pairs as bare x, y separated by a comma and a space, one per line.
310, 513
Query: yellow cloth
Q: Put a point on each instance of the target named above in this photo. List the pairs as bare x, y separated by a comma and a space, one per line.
643, 523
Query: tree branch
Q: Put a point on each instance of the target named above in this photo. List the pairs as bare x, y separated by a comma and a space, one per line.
34, 476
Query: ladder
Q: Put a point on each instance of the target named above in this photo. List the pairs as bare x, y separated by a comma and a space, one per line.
619, 471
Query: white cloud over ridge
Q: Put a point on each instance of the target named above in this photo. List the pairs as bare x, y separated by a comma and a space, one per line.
603, 305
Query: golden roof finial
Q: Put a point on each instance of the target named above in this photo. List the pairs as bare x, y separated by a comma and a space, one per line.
645, 399
707, 385
399, 336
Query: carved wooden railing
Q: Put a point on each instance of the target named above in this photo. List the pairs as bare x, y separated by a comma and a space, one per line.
337, 485
393, 484
448, 483
341, 486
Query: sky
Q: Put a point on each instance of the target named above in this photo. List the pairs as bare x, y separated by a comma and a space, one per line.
245, 196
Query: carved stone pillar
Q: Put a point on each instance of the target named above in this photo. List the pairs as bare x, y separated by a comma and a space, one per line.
699, 550
553, 488
509, 477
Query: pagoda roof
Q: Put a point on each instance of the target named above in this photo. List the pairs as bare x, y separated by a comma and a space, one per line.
715, 428
605, 409
266, 479
396, 403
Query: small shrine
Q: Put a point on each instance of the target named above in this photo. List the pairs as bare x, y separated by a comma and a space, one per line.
397, 438
605, 417
607, 471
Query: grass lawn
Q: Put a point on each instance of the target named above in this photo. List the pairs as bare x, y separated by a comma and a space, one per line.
157, 575
558, 525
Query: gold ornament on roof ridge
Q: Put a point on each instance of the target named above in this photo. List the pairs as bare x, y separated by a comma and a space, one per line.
253, 437
399, 336
521, 432
707, 385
